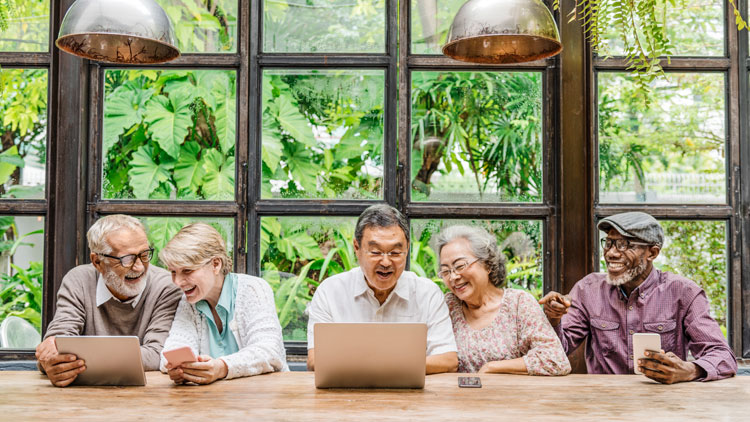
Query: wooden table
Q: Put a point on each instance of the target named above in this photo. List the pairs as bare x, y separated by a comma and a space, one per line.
291, 396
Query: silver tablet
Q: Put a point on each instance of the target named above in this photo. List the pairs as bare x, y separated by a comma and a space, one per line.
110, 360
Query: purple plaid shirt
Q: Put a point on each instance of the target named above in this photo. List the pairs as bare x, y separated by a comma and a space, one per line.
672, 306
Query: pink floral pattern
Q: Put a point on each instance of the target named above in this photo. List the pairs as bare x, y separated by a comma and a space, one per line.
520, 329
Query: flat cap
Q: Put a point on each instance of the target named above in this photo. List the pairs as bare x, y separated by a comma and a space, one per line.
637, 225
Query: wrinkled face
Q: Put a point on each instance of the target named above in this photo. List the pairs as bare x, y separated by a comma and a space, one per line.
471, 279
199, 283
628, 265
123, 282
382, 255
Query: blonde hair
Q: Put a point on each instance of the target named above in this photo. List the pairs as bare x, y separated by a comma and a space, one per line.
102, 228
194, 245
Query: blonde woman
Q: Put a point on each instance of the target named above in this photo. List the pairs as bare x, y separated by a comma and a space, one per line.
228, 320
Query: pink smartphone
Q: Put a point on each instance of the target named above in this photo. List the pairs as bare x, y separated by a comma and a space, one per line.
180, 355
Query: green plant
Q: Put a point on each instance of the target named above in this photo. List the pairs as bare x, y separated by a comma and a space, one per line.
21, 293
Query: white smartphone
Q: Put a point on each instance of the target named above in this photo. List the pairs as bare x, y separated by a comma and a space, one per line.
641, 343
179, 356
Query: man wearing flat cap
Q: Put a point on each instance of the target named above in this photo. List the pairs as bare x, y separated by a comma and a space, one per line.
606, 309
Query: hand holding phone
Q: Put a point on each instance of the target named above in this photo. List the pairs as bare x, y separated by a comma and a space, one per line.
469, 382
641, 343
178, 356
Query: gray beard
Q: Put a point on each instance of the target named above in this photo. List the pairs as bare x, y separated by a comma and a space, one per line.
121, 287
628, 275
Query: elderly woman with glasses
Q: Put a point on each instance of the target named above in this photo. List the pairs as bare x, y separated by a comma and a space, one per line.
228, 320
498, 330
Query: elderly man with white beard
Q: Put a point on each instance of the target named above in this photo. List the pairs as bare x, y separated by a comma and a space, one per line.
118, 294
606, 310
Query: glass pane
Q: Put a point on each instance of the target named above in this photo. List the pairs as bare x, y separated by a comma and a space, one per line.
476, 136
21, 281
697, 250
669, 151
430, 22
28, 26
23, 132
520, 240
695, 28
160, 230
203, 26
297, 254
323, 134
324, 26
169, 134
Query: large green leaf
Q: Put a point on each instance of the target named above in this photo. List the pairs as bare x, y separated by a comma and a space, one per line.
226, 119
123, 109
218, 183
9, 162
169, 120
292, 121
189, 170
145, 174
162, 229
272, 148
300, 163
305, 245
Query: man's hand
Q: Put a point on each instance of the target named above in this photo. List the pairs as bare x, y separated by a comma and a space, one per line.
61, 369
555, 306
668, 368
205, 371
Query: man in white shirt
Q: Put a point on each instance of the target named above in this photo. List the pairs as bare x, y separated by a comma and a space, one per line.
379, 290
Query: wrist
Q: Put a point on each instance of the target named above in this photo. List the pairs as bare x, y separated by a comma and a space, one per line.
223, 369
698, 372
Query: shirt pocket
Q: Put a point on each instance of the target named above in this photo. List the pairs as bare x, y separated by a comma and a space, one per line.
666, 330
606, 334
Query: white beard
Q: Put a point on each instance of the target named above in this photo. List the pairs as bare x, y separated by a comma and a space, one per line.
123, 288
628, 275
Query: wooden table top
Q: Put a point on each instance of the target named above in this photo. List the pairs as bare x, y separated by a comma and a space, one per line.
292, 396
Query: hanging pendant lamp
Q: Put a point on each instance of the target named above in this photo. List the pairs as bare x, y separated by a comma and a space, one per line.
118, 31
502, 31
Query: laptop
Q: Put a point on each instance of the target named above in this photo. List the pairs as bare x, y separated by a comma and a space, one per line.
110, 360
370, 355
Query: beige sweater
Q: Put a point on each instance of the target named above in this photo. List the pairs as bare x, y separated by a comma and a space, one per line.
150, 320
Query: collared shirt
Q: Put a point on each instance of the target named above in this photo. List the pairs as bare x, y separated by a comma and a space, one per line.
103, 295
221, 343
346, 297
673, 306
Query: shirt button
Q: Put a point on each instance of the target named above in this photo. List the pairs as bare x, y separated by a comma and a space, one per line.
661, 327
604, 325
630, 307
631, 357
631, 331
642, 295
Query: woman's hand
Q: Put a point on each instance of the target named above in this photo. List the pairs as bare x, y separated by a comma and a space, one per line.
205, 371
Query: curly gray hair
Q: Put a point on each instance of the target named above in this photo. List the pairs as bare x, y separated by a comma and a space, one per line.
483, 246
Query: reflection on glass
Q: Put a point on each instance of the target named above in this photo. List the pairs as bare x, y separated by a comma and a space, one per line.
23, 132
28, 26
203, 26
430, 22
21, 280
160, 230
169, 134
476, 136
670, 151
324, 26
520, 240
297, 253
323, 134
695, 28
696, 250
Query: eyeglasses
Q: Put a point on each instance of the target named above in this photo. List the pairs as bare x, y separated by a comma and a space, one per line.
394, 255
128, 261
458, 268
620, 244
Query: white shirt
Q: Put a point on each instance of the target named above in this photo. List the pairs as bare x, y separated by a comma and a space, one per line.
103, 294
346, 297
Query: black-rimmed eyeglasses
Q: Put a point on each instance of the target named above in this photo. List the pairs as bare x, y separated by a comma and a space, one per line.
128, 261
620, 244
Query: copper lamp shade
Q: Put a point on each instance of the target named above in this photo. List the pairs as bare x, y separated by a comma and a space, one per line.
502, 31
118, 31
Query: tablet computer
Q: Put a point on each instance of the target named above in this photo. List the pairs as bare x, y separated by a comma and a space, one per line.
110, 360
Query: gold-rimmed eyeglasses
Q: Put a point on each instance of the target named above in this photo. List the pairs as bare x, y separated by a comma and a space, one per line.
458, 267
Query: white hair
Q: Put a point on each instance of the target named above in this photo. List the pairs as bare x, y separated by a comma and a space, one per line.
97, 234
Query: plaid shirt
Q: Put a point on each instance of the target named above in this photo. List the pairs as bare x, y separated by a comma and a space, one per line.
673, 306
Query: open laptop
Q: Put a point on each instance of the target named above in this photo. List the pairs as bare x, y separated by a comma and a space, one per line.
370, 355
110, 360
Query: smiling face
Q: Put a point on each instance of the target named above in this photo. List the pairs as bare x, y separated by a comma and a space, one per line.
473, 280
382, 271
124, 283
199, 283
632, 265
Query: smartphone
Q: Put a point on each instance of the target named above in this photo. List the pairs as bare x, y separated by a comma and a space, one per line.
641, 343
469, 382
180, 355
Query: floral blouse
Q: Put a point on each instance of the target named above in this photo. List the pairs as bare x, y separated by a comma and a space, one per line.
520, 329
